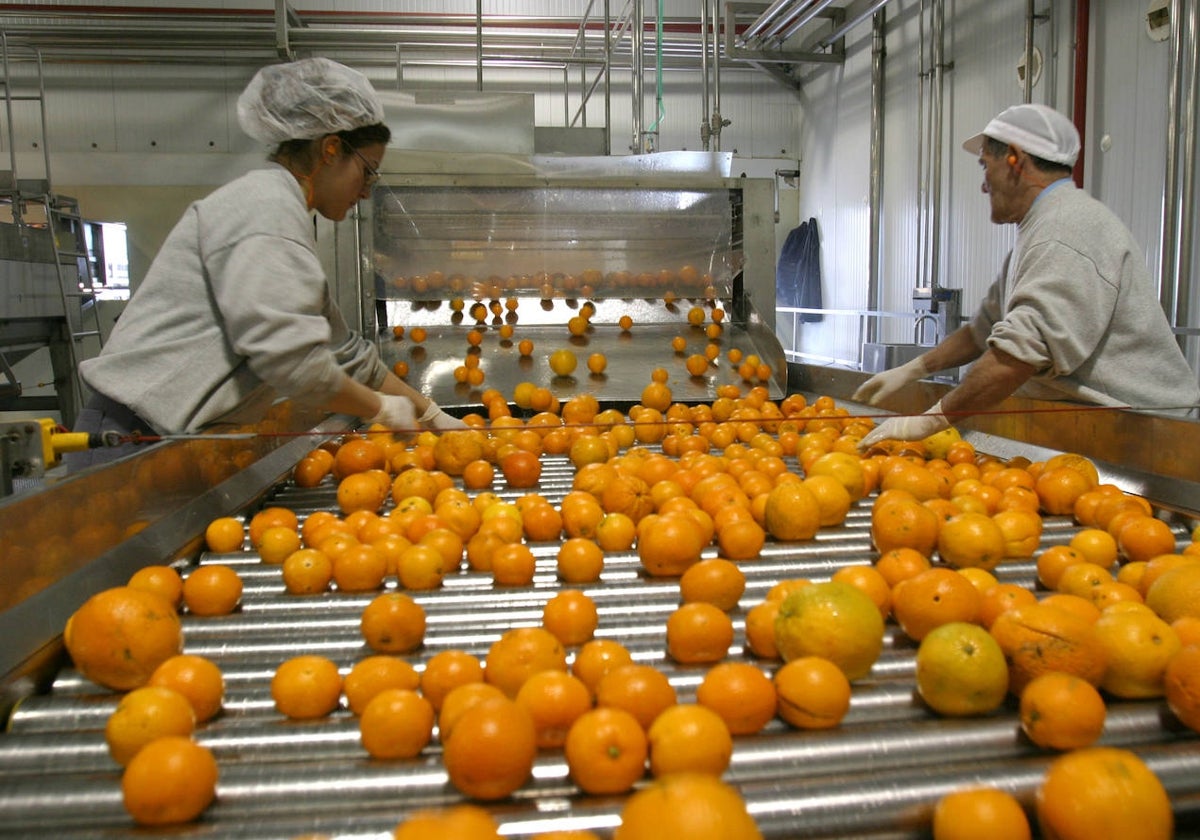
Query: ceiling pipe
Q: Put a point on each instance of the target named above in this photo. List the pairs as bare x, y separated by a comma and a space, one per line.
803, 20
770, 21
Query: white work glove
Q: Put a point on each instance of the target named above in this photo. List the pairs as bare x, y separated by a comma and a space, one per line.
883, 385
395, 413
917, 427
438, 420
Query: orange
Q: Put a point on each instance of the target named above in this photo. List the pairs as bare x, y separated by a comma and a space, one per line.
277, 543
899, 520
307, 571
119, 636
571, 616
1081, 578
448, 544
359, 568
1058, 488
306, 687
1022, 531
760, 629
971, 540
833, 499
979, 814
844, 467
961, 670
606, 751
492, 750
981, 579
1159, 566
669, 543
212, 590
270, 517
813, 693
833, 620
872, 583
1038, 638
641, 690
716, 581
689, 738
144, 714
1181, 684
513, 564
393, 623
224, 535
446, 671
792, 512
360, 491
554, 700
1096, 545
161, 580
1145, 537
697, 806
519, 654
521, 468
466, 822
935, 597
1055, 560
171, 780
698, 633
1139, 645
742, 539
898, 564
1103, 792
459, 700
1187, 628
741, 694
1062, 712
616, 532
1081, 607
596, 658
396, 723
1001, 598
198, 679
357, 455
374, 674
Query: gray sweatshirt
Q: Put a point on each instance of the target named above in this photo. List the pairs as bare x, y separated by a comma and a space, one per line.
234, 312
1076, 301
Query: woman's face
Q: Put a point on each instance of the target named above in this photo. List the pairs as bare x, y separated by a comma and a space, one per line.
341, 183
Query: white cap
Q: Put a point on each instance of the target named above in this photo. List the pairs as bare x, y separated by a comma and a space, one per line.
304, 99
1037, 130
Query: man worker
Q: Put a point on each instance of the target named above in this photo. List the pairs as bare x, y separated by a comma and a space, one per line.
1073, 314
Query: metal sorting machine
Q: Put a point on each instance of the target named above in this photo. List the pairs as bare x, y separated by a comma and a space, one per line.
877, 775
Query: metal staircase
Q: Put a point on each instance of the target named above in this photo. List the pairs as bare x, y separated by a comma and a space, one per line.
47, 280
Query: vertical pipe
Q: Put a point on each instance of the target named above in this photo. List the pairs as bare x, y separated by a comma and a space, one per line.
1167, 259
1082, 40
1027, 95
716, 46
873, 267
935, 112
45, 125
922, 163
1183, 258
636, 58
479, 45
607, 79
704, 35
8, 110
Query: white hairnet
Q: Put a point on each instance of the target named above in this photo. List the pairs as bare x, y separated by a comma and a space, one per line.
304, 99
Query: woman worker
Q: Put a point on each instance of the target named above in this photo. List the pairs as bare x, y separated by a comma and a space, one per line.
235, 310
1073, 315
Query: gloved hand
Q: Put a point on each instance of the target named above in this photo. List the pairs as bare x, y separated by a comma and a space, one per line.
917, 427
438, 420
395, 413
883, 385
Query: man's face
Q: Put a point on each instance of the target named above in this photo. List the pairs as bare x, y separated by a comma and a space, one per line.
1000, 182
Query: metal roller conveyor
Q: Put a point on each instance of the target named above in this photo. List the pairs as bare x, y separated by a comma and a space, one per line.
876, 776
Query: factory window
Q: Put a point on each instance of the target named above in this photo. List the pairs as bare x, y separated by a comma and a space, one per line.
108, 248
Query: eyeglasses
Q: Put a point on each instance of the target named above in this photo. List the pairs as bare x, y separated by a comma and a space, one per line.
370, 173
